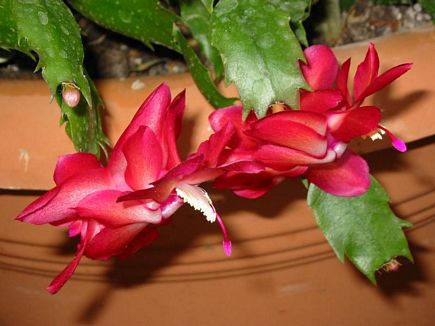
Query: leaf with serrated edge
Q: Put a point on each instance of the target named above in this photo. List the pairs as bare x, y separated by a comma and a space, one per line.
144, 20
48, 28
197, 18
362, 228
259, 50
201, 75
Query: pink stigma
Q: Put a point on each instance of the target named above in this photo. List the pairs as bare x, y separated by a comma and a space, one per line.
399, 145
226, 243
396, 142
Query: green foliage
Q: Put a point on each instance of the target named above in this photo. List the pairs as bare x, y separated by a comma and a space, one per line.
259, 50
362, 228
201, 75
144, 20
48, 29
429, 6
197, 17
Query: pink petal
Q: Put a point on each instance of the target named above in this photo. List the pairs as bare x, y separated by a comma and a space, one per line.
172, 129
163, 187
365, 73
293, 129
70, 164
144, 158
342, 80
348, 176
88, 230
102, 206
284, 158
113, 241
143, 239
220, 118
213, 147
386, 78
320, 101
59, 203
152, 115
354, 123
321, 68
247, 185
233, 116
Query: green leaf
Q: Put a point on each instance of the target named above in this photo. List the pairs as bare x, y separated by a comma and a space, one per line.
208, 4
429, 6
48, 29
144, 20
197, 18
362, 228
259, 50
201, 75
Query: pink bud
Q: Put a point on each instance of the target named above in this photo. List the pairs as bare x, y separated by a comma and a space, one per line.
70, 95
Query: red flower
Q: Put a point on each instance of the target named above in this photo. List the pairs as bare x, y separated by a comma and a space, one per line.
311, 141
85, 198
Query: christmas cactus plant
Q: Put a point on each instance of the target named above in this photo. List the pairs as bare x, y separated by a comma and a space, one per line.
295, 119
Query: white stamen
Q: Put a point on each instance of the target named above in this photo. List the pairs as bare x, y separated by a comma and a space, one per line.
198, 199
377, 135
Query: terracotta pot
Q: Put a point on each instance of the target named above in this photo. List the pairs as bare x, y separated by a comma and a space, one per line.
282, 270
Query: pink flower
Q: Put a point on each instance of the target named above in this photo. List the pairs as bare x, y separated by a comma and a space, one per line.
311, 141
85, 198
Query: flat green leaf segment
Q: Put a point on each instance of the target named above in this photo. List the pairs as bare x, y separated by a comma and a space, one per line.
144, 20
201, 75
198, 18
362, 228
259, 50
48, 29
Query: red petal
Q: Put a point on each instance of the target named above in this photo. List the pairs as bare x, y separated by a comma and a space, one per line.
321, 68
151, 114
293, 129
163, 187
102, 206
365, 73
386, 78
59, 203
320, 101
88, 231
68, 165
213, 147
354, 123
284, 158
342, 80
112, 242
144, 158
348, 176
143, 239
173, 128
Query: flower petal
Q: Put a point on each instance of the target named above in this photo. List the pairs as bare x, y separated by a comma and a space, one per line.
386, 78
342, 81
88, 230
284, 158
59, 203
70, 164
293, 129
172, 129
348, 176
102, 206
163, 187
112, 242
144, 158
365, 73
320, 101
151, 114
354, 123
321, 68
